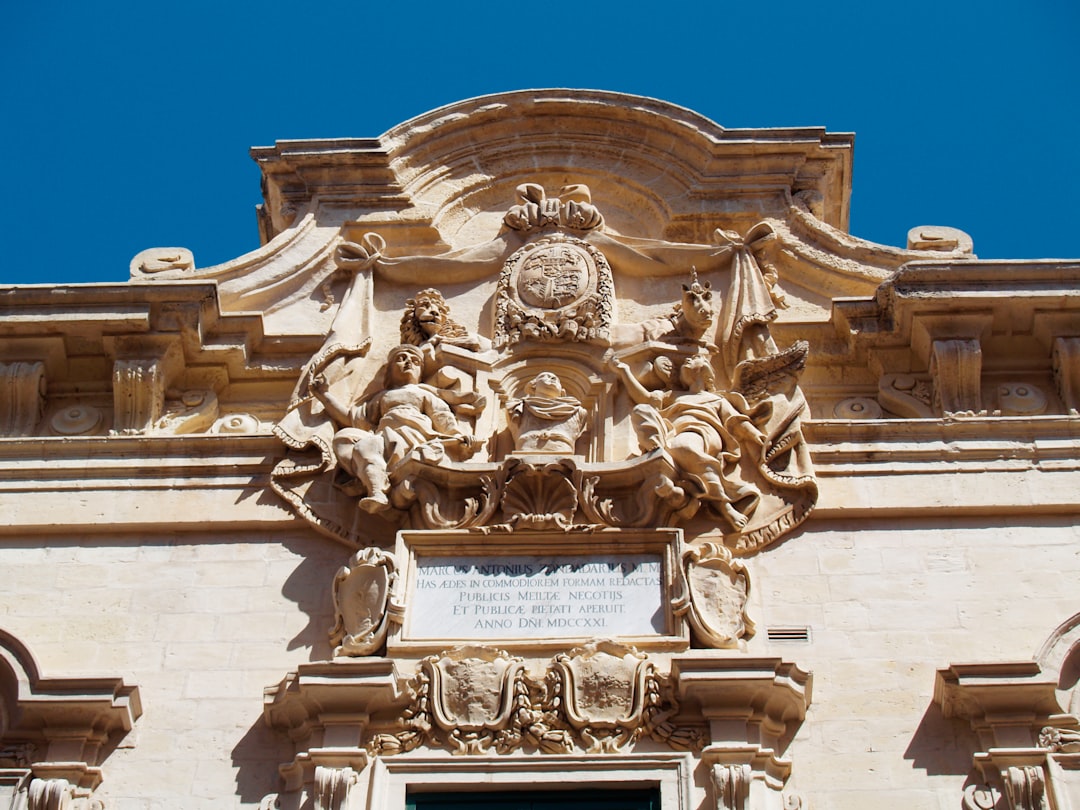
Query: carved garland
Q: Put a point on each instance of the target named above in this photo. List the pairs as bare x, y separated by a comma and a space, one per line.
601, 697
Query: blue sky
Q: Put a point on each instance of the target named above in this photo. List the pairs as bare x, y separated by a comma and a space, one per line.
127, 125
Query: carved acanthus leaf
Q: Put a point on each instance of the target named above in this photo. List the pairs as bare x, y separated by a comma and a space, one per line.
731, 786
332, 786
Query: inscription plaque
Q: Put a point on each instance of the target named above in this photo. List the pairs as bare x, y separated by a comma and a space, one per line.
535, 597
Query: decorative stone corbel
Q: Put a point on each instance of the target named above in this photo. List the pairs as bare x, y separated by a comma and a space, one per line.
61, 727
1008, 705
138, 394
753, 707
956, 368
325, 708
22, 397
142, 371
1025, 787
332, 786
1066, 360
59, 794
731, 786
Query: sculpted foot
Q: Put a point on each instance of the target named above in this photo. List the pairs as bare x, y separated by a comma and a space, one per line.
736, 518
375, 503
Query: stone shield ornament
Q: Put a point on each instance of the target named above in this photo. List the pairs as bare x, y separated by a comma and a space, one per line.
718, 590
557, 288
361, 594
472, 695
604, 688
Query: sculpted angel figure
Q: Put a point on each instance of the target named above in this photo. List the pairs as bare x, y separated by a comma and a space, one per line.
703, 433
406, 418
546, 420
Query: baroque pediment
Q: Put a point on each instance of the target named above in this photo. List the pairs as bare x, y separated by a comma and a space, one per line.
561, 413
656, 171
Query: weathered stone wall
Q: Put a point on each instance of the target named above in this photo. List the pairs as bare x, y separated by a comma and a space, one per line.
202, 622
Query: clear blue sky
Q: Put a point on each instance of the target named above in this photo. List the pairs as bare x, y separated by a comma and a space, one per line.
126, 125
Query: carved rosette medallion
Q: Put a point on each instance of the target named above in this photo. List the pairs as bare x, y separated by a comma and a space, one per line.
556, 288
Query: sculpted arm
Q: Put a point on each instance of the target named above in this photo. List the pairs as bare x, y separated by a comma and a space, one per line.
339, 411
638, 393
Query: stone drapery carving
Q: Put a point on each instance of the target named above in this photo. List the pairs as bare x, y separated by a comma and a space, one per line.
601, 697
719, 413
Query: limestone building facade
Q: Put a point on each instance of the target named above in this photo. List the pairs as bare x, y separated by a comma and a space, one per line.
555, 448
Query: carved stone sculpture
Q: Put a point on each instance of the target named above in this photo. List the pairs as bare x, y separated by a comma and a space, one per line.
545, 420
719, 413
702, 432
691, 321
405, 418
602, 696
471, 695
426, 323
361, 594
718, 590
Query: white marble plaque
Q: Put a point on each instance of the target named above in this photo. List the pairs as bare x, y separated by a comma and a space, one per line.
485, 598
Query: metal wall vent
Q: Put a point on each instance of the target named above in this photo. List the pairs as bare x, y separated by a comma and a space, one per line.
788, 633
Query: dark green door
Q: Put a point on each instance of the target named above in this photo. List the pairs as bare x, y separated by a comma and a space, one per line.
648, 799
